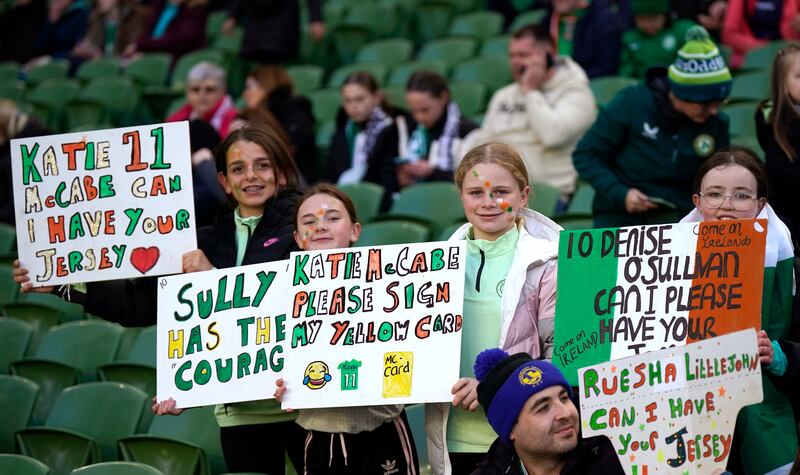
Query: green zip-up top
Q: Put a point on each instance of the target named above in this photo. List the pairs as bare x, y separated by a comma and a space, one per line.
640, 141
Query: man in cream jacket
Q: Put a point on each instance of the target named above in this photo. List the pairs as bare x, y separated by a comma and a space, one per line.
544, 112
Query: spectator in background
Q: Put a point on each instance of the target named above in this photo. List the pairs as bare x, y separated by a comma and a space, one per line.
272, 28
176, 27
367, 138
207, 98
778, 128
655, 40
437, 141
269, 87
19, 27
113, 26
589, 32
750, 24
65, 26
708, 13
646, 145
14, 124
544, 112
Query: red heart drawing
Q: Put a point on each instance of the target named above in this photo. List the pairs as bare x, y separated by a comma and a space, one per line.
144, 258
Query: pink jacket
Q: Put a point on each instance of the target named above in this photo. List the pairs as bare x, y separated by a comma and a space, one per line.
736, 31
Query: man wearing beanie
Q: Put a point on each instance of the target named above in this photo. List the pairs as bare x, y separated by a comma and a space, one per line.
654, 41
529, 404
645, 147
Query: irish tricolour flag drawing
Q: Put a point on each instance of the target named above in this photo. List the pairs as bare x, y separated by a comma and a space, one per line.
631, 290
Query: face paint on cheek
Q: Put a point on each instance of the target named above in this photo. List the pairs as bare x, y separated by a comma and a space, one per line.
503, 204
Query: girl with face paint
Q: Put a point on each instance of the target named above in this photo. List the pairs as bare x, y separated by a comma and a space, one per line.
346, 440
509, 294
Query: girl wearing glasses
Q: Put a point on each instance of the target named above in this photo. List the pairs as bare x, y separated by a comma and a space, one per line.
732, 184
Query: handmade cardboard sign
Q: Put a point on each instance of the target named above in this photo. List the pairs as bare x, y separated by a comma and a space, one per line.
221, 334
106, 204
378, 325
626, 291
673, 410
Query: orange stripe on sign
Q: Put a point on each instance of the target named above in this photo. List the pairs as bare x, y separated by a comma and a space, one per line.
725, 296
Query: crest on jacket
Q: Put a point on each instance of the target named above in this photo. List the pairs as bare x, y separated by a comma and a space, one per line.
649, 131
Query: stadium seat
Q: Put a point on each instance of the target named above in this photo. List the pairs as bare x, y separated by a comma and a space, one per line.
346, 40
52, 378
57, 69
13, 89
17, 396
185, 63
495, 46
151, 69
214, 24
392, 232
323, 137
437, 204
15, 336
376, 17
9, 71
431, 19
367, 198
527, 18
69, 311
82, 112
338, 76
8, 237
479, 24
183, 445
400, 73
605, 88
39, 317
305, 78
491, 70
98, 68
581, 203
575, 221
395, 95
470, 96
8, 288
543, 198
84, 425
387, 52
742, 119
138, 369
450, 50
325, 104
762, 58
12, 464
117, 468
750, 87
448, 231
49, 98
107, 92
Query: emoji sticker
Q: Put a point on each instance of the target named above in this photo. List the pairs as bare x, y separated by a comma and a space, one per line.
398, 368
317, 375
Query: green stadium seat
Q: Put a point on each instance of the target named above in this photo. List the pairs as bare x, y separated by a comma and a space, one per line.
9, 71
52, 378
106, 92
762, 58
325, 104
214, 24
80, 113
543, 198
346, 40
69, 311
57, 69
495, 46
750, 87
186, 444
8, 288
39, 317
450, 50
448, 231
305, 78
151, 69
84, 425
323, 137
480, 25
17, 396
15, 336
392, 232
376, 17
436, 204
470, 96
492, 71
117, 468
49, 98
98, 68
338, 76
605, 88
13, 464
91, 126
527, 18
742, 119
138, 369
126, 341
400, 73
387, 52
13, 89
581, 203
395, 95
8, 237
367, 198
751, 142
187, 61
431, 19
575, 221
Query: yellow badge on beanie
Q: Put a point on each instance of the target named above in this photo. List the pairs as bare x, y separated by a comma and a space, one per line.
530, 376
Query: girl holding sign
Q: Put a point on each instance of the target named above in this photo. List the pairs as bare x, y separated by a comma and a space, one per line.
509, 294
256, 170
346, 440
732, 184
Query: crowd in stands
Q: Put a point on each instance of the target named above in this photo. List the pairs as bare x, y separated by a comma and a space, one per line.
595, 113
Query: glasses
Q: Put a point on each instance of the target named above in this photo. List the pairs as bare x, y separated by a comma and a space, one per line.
739, 200
199, 89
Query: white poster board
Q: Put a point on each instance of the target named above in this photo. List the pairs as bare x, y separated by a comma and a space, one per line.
221, 334
105, 204
673, 410
374, 325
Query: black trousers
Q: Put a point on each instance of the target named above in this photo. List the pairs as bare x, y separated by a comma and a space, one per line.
464, 463
261, 447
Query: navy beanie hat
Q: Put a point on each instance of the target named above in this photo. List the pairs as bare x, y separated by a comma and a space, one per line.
507, 382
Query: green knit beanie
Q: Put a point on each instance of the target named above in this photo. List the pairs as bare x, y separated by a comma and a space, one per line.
699, 73
649, 7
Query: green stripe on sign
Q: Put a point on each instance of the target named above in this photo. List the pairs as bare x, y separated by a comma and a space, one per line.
776, 300
582, 274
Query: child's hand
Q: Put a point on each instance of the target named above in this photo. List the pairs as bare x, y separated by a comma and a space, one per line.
196, 261
164, 408
465, 394
765, 350
280, 390
21, 277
